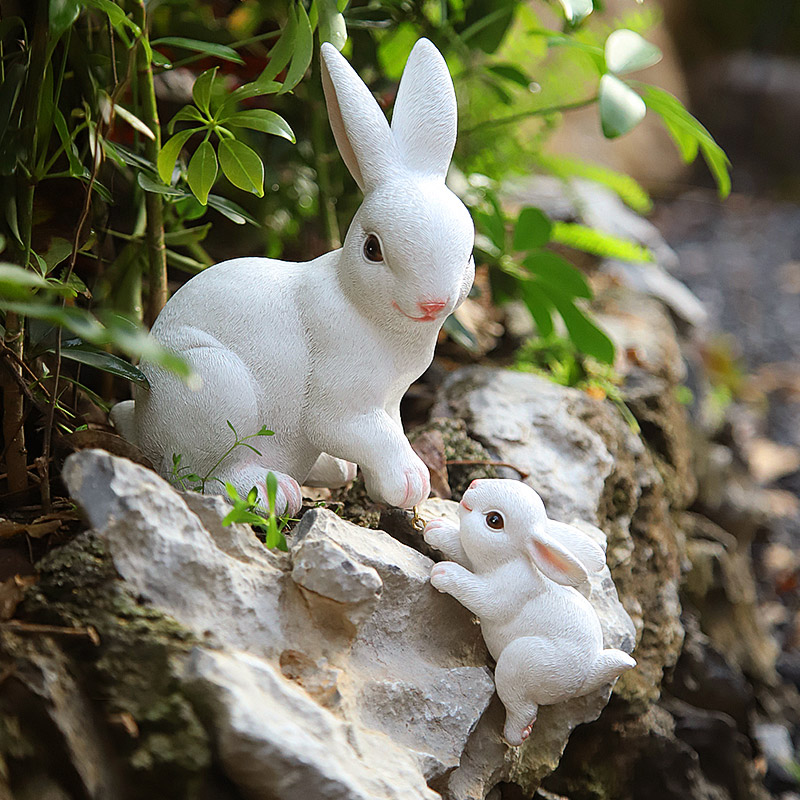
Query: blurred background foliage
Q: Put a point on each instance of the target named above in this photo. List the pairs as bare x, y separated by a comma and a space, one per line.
141, 142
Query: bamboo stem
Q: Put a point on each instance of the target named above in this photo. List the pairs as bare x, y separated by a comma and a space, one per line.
154, 206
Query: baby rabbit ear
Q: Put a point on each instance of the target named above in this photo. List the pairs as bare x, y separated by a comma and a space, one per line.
425, 115
580, 544
359, 126
555, 561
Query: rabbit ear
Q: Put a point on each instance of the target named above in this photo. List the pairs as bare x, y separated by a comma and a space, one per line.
361, 131
425, 115
580, 544
555, 561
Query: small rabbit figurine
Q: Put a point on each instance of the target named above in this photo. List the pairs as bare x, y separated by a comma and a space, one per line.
516, 570
322, 352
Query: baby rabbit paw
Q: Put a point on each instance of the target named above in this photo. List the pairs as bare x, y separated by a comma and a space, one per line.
438, 532
444, 576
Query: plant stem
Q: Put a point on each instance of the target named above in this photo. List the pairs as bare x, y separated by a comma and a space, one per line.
14, 337
537, 112
154, 234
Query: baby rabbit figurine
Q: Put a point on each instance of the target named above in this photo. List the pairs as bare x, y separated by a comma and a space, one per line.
516, 570
322, 352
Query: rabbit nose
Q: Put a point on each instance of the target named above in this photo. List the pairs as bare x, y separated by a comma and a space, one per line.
432, 307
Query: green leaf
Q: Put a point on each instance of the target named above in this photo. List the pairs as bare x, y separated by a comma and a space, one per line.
246, 92
261, 119
332, 27
627, 51
196, 46
585, 335
134, 121
576, 11
628, 190
60, 123
492, 226
201, 91
281, 53
690, 135
241, 166
265, 431
202, 171
186, 114
539, 306
304, 47
532, 229
106, 362
558, 273
233, 211
459, 334
149, 185
272, 490
62, 14
169, 153
116, 16
598, 243
184, 236
621, 109
16, 282
511, 73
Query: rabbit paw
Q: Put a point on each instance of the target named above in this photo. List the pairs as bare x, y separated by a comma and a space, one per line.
444, 576
405, 489
437, 532
288, 498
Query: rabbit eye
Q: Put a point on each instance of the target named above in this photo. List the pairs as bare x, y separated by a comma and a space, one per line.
495, 520
372, 248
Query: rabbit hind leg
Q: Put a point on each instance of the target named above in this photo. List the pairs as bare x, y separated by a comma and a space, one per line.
512, 678
330, 472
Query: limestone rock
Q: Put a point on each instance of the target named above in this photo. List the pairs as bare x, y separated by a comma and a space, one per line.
339, 647
276, 743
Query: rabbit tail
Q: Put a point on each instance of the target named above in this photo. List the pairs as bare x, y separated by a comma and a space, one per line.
607, 667
122, 418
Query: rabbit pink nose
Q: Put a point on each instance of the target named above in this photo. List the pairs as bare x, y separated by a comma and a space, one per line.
432, 307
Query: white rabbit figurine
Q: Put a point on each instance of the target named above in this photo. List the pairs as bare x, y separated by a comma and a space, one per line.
322, 352
516, 571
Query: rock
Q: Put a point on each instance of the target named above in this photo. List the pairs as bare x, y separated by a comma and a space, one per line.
347, 621
322, 567
276, 743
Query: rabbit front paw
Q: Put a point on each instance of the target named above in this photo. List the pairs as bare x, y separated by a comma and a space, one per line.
444, 576
439, 532
288, 498
404, 489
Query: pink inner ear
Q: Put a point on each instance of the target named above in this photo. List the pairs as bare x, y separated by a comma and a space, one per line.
551, 558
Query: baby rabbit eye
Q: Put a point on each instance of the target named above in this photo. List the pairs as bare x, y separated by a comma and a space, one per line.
495, 520
372, 248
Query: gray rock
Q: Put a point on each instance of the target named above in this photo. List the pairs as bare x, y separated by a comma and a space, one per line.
535, 425
276, 743
348, 617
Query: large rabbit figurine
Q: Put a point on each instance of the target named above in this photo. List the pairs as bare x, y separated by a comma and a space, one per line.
322, 352
516, 571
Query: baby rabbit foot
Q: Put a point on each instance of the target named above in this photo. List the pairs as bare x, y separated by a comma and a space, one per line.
514, 733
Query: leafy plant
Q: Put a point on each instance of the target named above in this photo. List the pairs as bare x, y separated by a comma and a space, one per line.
559, 360
246, 510
182, 475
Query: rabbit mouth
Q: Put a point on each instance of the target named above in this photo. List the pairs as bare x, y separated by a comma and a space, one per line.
423, 318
